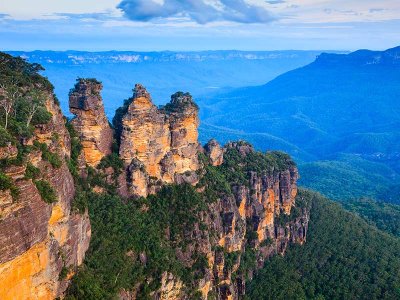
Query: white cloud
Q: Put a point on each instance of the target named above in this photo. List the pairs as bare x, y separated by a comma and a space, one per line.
42, 9
199, 11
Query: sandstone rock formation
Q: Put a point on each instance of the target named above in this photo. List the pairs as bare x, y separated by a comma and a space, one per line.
214, 152
243, 203
90, 121
39, 240
159, 144
252, 209
247, 220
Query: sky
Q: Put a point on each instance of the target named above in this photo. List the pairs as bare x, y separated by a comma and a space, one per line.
186, 25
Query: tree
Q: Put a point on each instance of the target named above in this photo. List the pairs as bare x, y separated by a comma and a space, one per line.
35, 101
11, 93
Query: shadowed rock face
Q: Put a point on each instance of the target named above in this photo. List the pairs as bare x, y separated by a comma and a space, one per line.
90, 121
38, 239
159, 144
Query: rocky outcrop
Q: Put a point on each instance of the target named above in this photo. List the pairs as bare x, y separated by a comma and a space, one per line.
90, 121
259, 219
159, 145
256, 217
39, 240
214, 152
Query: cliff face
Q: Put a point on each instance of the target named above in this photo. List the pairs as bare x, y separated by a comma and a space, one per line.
159, 144
256, 219
90, 121
40, 241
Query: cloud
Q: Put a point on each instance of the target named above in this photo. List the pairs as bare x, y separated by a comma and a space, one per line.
200, 11
275, 1
376, 10
85, 16
330, 11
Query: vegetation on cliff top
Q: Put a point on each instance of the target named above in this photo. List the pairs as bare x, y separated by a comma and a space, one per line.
237, 167
23, 96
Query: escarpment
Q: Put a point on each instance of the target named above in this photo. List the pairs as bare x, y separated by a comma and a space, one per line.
171, 219
42, 239
159, 144
252, 217
90, 121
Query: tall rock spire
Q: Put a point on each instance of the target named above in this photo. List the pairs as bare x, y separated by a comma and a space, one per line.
159, 144
90, 121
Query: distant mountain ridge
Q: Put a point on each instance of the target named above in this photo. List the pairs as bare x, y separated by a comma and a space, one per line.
84, 57
340, 103
163, 73
362, 57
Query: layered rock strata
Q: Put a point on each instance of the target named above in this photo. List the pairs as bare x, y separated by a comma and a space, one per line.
159, 145
90, 120
255, 218
38, 240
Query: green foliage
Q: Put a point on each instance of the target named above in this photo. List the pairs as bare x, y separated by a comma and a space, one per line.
384, 216
47, 155
63, 273
179, 101
266, 242
24, 91
46, 191
140, 226
214, 181
343, 258
23, 151
32, 172
6, 138
42, 116
368, 179
114, 161
31, 109
80, 202
92, 80
17, 69
89, 81
248, 261
231, 258
237, 167
135, 242
76, 148
6, 183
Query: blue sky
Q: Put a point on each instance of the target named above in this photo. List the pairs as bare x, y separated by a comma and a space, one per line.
146, 25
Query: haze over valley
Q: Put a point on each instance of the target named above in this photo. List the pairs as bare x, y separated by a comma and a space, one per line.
199, 150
